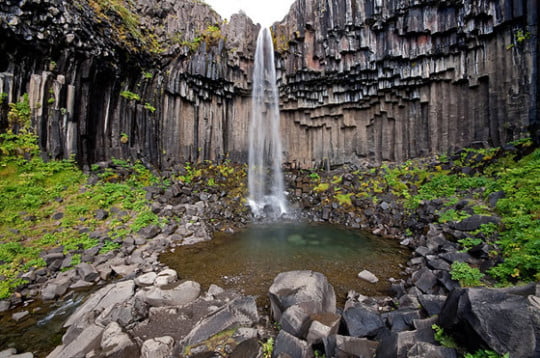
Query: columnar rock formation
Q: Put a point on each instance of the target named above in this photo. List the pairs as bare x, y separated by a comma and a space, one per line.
391, 80
360, 79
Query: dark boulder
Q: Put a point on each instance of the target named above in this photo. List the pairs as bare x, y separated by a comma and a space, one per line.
362, 321
474, 222
490, 318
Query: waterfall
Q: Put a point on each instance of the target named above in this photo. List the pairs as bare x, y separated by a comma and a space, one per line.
265, 179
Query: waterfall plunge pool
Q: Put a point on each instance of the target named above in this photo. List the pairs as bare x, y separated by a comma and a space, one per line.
249, 260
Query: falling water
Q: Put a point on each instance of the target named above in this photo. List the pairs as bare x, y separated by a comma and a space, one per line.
265, 179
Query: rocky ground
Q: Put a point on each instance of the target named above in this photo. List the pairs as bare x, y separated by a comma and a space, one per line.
144, 309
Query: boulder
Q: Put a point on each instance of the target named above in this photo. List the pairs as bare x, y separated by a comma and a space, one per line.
322, 326
105, 297
432, 304
146, 280
241, 311
166, 277
88, 340
115, 343
87, 272
160, 347
289, 346
402, 319
397, 345
294, 287
474, 222
362, 321
181, 294
343, 347
368, 276
482, 317
424, 349
425, 280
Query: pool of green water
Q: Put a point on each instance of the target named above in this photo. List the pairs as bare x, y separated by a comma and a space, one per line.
250, 259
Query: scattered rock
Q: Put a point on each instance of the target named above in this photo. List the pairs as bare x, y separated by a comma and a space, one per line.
157, 348
115, 343
291, 346
178, 295
145, 280
20, 315
368, 276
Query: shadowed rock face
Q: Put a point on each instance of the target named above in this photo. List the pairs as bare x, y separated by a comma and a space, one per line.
359, 80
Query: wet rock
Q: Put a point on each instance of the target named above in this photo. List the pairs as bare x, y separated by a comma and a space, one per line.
481, 317
368, 276
115, 343
20, 315
4, 305
160, 347
294, 287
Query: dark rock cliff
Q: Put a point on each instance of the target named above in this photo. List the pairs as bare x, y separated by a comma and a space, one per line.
391, 80
359, 80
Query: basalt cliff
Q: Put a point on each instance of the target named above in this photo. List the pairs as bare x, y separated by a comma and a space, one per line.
360, 80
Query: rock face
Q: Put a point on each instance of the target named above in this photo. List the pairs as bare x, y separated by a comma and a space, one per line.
390, 80
359, 79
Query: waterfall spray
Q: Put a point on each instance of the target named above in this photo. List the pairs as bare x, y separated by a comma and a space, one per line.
265, 178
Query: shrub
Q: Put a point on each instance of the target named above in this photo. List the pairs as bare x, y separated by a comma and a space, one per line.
466, 275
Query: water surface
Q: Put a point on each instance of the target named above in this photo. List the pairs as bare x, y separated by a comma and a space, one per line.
249, 260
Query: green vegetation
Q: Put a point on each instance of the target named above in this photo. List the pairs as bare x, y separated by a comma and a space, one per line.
149, 107
130, 96
121, 16
466, 275
459, 194
482, 353
268, 347
441, 337
33, 191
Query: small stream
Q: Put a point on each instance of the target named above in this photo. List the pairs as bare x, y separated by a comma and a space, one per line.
249, 260
41, 330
